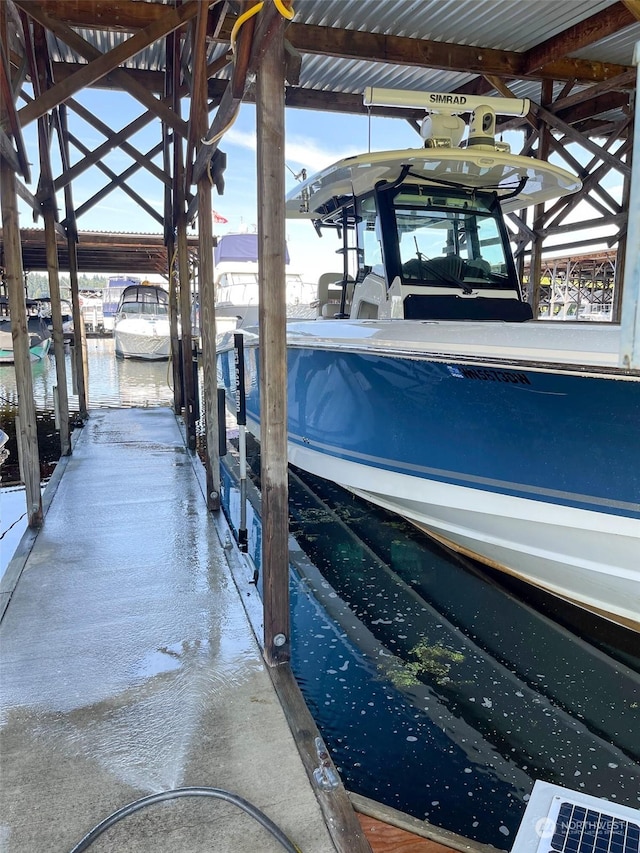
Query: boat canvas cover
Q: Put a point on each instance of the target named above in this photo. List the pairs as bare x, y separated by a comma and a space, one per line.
239, 248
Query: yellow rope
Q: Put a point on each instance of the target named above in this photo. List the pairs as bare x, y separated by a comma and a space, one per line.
280, 6
241, 20
221, 133
286, 13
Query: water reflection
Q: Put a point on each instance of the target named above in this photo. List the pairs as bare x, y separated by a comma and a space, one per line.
112, 383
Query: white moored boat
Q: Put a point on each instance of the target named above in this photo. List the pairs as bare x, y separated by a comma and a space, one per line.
141, 325
237, 286
432, 392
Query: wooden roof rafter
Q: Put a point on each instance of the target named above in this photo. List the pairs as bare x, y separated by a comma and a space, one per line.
102, 64
552, 220
17, 156
251, 46
403, 51
593, 94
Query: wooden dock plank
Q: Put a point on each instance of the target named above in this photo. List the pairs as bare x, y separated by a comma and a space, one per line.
384, 838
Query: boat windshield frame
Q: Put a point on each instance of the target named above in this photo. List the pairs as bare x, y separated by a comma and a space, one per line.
442, 236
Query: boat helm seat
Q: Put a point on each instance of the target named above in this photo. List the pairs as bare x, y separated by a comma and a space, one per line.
447, 265
330, 294
477, 268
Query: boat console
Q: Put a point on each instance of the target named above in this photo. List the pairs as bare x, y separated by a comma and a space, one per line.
423, 230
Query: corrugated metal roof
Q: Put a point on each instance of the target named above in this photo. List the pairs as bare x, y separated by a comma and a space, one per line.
511, 25
617, 48
500, 24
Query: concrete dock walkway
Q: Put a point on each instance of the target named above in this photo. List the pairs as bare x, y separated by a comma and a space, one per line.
129, 666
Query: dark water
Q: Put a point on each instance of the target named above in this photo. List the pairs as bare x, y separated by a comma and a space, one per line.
439, 688
440, 691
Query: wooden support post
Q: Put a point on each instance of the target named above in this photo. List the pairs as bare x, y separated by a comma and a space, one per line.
79, 348
273, 353
185, 308
39, 64
199, 120
169, 235
208, 338
621, 257
79, 342
58, 337
27, 431
173, 325
535, 265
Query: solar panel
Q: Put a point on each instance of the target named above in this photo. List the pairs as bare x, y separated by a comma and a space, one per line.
558, 820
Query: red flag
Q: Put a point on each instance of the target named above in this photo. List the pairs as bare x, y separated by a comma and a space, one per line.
217, 217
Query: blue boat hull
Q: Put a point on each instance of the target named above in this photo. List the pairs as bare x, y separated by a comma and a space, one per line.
534, 471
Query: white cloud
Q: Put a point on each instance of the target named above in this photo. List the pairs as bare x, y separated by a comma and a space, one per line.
241, 138
299, 150
304, 151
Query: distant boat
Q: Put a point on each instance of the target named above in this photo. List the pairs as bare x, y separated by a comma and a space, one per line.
111, 296
141, 324
39, 333
237, 292
428, 390
66, 312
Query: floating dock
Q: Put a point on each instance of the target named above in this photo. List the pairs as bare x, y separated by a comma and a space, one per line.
130, 668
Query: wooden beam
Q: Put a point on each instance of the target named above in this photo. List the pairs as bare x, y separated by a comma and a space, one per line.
92, 54
400, 50
123, 15
600, 97
114, 181
152, 81
198, 108
605, 23
633, 6
273, 357
6, 95
143, 160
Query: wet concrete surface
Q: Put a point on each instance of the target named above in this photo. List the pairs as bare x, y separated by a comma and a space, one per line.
129, 667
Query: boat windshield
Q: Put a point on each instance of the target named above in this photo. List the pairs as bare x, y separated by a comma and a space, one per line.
446, 237
154, 309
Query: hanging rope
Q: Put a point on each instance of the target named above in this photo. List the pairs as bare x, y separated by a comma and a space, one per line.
286, 12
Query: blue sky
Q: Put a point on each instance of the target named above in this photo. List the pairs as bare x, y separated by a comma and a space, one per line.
313, 141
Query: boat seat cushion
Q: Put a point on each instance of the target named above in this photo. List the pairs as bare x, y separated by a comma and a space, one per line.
454, 307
